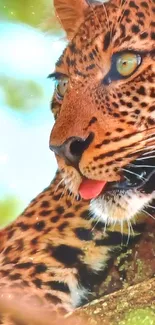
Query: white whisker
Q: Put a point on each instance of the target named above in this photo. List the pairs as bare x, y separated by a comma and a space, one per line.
145, 149
129, 232
105, 227
133, 233
78, 197
151, 206
128, 179
58, 185
122, 224
95, 224
144, 158
148, 166
64, 191
130, 172
149, 152
149, 214
150, 139
122, 230
114, 224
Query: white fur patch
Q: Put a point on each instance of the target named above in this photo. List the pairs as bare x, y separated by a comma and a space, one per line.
77, 294
119, 207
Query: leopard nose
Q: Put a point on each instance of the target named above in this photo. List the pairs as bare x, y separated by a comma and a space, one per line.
72, 149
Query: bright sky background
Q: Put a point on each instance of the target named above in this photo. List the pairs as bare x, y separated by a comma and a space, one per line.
26, 163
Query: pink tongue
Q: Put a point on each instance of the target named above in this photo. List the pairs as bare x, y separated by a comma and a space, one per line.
90, 189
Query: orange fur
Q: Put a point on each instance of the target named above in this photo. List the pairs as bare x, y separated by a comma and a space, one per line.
70, 14
56, 252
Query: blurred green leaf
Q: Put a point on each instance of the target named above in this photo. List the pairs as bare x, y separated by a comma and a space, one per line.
21, 94
144, 316
32, 12
10, 207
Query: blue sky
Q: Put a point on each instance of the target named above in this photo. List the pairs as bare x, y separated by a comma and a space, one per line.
26, 163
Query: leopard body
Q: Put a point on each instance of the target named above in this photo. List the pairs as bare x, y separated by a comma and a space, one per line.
58, 249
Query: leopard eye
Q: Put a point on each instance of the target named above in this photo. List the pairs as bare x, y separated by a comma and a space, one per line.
61, 87
123, 65
127, 63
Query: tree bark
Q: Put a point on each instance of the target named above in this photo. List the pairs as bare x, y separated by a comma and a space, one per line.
111, 309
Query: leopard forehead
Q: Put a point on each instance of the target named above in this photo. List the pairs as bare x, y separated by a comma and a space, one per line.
106, 29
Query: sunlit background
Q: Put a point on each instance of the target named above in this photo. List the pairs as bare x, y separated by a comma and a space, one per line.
30, 44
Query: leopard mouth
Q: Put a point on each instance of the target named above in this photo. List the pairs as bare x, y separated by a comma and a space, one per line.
139, 175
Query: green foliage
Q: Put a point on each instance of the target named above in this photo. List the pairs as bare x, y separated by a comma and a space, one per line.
21, 94
144, 316
10, 207
31, 12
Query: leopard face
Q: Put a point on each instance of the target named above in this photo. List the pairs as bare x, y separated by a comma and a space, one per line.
104, 105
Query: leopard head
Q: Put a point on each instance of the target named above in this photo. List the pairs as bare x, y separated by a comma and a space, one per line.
104, 105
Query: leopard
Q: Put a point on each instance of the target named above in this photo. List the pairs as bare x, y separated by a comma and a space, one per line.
56, 251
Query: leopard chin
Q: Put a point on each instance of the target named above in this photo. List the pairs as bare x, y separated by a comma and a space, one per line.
120, 206
122, 201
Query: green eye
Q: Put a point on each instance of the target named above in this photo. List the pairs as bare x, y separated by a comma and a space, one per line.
61, 88
127, 63
123, 65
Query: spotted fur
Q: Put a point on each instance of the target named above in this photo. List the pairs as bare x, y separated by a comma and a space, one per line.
54, 253
114, 118
58, 249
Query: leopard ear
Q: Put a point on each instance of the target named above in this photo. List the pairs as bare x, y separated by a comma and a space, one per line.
70, 13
